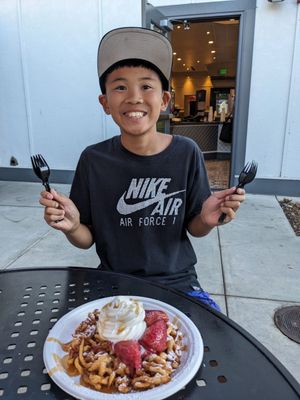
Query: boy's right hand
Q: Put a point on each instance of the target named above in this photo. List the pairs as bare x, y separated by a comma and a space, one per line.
60, 211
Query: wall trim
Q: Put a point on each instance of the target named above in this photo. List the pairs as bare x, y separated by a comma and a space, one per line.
272, 186
27, 175
275, 186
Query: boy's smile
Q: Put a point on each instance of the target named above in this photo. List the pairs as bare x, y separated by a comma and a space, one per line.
134, 98
135, 115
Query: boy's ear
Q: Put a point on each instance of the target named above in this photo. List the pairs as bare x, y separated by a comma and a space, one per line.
103, 101
166, 97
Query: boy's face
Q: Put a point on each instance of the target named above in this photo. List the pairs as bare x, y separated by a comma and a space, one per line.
134, 98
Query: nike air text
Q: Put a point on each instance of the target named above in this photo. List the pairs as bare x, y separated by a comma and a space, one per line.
147, 192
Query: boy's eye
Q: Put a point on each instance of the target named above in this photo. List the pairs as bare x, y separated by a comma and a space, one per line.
120, 87
146, 87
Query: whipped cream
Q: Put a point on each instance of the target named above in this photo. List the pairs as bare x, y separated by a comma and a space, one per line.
121, 319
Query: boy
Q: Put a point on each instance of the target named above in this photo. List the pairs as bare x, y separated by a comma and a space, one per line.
137, 195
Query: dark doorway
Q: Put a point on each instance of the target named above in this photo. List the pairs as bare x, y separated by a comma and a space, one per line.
205, 69
240, 15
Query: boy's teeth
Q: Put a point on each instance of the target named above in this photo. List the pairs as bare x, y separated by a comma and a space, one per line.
135, 114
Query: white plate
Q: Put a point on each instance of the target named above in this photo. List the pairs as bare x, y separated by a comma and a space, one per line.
64, 328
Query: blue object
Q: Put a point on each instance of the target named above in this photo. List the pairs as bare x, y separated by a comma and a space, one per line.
204, 297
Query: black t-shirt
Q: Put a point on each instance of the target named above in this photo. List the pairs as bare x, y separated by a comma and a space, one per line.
139, 207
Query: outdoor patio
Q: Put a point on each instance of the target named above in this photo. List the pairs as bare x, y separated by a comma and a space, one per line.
250, 267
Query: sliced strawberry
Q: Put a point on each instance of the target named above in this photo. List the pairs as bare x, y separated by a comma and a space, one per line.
154, 315
154, 338
129, 353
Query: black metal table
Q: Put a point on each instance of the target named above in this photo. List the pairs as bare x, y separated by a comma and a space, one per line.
235, 366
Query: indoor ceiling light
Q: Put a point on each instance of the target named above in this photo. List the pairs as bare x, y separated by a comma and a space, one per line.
186, 25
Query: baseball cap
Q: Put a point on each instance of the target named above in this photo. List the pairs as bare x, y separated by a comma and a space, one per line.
135, 43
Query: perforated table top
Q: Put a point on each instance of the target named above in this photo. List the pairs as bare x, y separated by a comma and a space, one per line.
235, 366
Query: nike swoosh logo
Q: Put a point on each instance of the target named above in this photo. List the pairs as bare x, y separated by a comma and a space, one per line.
125, 209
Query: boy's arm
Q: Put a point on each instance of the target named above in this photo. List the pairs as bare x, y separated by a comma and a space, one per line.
226, 201
197, 227
82, 237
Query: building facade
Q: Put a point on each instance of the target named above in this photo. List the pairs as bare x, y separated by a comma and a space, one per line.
49, 84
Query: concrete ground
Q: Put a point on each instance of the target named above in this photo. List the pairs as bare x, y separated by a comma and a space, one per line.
251, 266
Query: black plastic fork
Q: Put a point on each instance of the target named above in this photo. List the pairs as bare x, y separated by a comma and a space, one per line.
41, 169
247, 175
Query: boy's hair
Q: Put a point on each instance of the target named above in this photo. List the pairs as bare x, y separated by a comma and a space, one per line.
134, 47
132, 62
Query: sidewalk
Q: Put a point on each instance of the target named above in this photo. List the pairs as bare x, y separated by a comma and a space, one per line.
251, 266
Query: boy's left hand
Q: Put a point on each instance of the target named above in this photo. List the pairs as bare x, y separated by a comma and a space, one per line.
225, 201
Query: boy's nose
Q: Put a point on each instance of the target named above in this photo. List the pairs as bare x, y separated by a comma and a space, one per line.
134, 97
